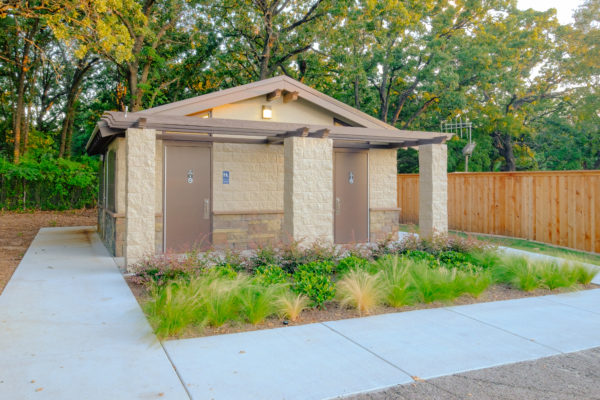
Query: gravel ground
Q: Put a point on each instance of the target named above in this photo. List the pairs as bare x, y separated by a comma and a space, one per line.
563, 377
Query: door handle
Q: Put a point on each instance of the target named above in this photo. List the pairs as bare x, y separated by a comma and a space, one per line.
338, 205
206, 209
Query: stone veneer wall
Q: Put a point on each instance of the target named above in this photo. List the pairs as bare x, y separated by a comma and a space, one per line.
308, 189
243, 231
383, 223
433, 189
383, 179
140, 207
383, 195
255, 177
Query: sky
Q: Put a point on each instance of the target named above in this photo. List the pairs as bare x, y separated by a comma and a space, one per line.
564, 8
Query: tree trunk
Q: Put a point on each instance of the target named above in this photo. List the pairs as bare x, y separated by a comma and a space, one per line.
384, 95
74, 90
133, 86
356, 92
64, 134
20, 109
265, 56
504, 144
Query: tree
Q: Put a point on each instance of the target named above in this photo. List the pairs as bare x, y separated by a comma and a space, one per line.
261, 37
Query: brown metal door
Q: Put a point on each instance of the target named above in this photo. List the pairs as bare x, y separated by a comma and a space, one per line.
351, 205
187, 221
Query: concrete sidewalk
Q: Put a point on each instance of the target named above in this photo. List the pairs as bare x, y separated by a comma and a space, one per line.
340, 358
71, 329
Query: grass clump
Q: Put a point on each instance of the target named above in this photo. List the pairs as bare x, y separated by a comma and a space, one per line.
173, 307
361, 290
518, 272
257, 302
433, 284
292, 304
554, 276
221, 298
443, 284
583, 274
397, 282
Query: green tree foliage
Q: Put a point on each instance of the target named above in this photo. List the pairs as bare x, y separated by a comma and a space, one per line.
528, 84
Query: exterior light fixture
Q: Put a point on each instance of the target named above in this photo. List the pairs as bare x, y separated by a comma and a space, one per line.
267, 113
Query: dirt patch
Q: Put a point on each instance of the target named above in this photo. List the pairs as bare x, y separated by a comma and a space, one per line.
17, 231
334, 312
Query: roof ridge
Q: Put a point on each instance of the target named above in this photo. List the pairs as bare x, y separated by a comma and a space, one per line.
215, 99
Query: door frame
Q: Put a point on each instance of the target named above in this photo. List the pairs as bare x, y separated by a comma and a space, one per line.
185, 143
353, 150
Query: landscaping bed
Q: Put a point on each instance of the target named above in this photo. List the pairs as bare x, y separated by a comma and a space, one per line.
201, 294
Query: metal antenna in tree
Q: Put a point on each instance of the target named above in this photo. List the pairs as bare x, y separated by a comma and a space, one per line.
457, 127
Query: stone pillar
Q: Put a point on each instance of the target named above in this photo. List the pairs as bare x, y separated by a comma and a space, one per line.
384, 214
140, 178
308, 189
433, 189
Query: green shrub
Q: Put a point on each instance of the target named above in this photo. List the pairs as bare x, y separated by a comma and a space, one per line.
349, 263
225, 271
440, 243
48, 184
294, 255
454, 259
396, 280
271, 274
314, 281
420, 255
265, 255
230, 259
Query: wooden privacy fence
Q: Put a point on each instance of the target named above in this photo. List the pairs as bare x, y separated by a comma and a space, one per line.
557, 207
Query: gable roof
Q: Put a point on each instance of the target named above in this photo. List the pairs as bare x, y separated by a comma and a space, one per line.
259, 88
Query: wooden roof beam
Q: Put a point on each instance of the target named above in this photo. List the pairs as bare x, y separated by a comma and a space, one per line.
274, 95
321, 133
301, 132
290, 96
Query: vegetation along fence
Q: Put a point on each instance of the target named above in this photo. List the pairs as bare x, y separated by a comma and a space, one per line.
557, 207
53, 184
